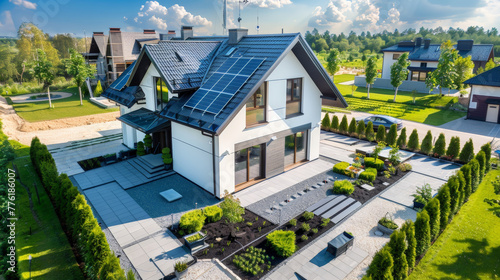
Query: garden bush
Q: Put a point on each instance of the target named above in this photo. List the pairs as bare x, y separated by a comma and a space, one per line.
481, 159
397, 246
370, 174
413, 142
212, 213
405, 167
380, 133
453, 148
467, 153
409, 228
343, 187
377, 164
334, 126
439, 146
341, 168
192, 221
360, 130
388, 223
486, 148
423, 194
369, 132
401, 142
343, 125
462, 187
475, 177
392, 135
231, 209
293, 222
433, 209
140, 148
282, 242
352, 127
381, 265
466, 170
422, 232
325, 123
148, 141
305, 227
308, 215
454, 186
426, 146
98, 89
444, 204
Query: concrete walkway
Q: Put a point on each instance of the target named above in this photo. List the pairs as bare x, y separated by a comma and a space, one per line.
282, 181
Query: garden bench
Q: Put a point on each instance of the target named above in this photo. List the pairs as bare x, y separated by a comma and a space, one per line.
340, 244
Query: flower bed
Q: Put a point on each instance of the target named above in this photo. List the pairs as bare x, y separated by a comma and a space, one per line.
363, 195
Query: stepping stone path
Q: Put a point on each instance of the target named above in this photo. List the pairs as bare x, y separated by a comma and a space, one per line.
334, 207
367, 187
385, 184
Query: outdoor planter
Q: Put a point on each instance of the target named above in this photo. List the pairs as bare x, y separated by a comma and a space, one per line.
181, 274
356, 171
340, 244
384, 229
418, 205
195, 240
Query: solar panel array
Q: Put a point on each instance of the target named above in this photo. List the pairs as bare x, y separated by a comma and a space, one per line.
224, 83
120, 82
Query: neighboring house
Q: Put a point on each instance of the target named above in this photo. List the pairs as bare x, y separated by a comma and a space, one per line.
424, 56
113, 53
236, 109
484, 98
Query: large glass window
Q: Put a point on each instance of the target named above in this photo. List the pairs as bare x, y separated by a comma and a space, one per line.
293, 97
256, 106
248, 164
295, 148
418, 76
161, 93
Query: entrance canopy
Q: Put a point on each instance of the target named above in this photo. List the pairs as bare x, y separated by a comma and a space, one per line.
145, 121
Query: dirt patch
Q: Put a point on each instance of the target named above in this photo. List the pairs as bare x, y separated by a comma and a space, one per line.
363, 195
69, 122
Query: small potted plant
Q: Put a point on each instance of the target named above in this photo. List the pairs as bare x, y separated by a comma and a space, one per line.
423, 195
194, 240
167, 158
180, 269
387, 225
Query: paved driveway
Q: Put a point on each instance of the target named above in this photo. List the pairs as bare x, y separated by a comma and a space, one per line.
433, 167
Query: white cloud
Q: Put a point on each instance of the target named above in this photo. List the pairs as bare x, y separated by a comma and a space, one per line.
368, 14
271, 4
153, 14
7, 24
24, 3
334, 13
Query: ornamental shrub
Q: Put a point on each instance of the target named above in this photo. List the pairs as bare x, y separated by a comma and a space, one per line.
369, 133
212, 213
486, 148
413, 143
98, 89
282, 242
140, 148
231, 209
397, 247
422, 232
308, 215
466, 170
381, 265
454, 148
401, 142
325, 123
467, 153
454, 186
481, 159
343, 125
461, 188
352, 127
334, 125
192, 221
377, 164
433, 209
341, 168
444, 204
370, 174
343, 187
409, 228
474, 171
392, 135
380, 133
148, 141
440, 146
426, 147
360, 130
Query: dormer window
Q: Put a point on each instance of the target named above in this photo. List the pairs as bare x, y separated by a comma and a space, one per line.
179, 58
230, 51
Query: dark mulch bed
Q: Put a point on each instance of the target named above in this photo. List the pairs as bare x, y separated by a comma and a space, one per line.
313, 223
363, 195
246, 234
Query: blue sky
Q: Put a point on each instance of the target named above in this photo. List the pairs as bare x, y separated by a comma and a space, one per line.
77, 16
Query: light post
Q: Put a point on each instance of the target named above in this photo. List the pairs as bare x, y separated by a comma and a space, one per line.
29, 258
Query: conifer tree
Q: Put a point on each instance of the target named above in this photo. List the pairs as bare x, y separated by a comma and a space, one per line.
413, 142
352, 127
401, 143
426, 147
422, 232
369, 133
467, 153
444, 204
486, 148
397, 247
381, 266
481, 159
381, 133
392, 135
343, 125
325, 123
409, 228
360, 130
440, 146
433, 209
334, 126
454, 147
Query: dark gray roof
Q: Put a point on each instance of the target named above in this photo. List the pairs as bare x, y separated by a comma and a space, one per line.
98, 44
182, 64
477, 53
398, 48
272, 48
126, 96
145, 120
488, 78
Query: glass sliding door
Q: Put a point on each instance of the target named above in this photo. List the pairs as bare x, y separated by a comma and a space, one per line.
295, 148
248, 164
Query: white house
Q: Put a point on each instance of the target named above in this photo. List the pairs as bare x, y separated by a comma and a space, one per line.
484, 98
240, 108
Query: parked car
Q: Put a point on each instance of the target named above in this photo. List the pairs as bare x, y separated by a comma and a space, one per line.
383, 120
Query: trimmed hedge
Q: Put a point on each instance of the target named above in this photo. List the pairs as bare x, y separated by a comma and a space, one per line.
413, 143
377, 164
486, 148
212, 213
422, 232
344, 125
341, 168
426, 146
325, 123
440, 146
192, 221
370, 174
369, 132
352, 127
401, 142
453, 148
282, 242
380, 133
392, 135
360, 129
343, 187
334, 125
467, 153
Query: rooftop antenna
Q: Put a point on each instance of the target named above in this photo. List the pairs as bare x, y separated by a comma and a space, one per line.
239, 11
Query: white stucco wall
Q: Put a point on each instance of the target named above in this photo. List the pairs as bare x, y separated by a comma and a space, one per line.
432, 64
192, 155
236, 131
484, 91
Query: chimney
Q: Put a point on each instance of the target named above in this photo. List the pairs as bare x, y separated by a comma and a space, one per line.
98, 33
186, 32
168, 36
418, 42
406, 44
149, 31
236, 34
112, 29
465, 45
427, 43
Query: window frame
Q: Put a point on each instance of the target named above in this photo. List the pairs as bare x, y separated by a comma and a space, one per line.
395, 56
255, 107
301, 98
155, 87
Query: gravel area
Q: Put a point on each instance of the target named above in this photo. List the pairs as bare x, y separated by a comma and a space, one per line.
296, 206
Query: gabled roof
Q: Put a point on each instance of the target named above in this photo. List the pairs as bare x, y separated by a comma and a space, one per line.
478, 52
130, 45
120, 94
98, 44
489, 78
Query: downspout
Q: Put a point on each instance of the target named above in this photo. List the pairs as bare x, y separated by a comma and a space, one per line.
213, 164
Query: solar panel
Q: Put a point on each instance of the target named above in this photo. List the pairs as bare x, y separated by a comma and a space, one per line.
224, 83
120, 82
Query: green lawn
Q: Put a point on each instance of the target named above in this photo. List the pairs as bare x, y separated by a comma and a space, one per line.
469, 248
343, 78
348, 64
63, 108
47, 244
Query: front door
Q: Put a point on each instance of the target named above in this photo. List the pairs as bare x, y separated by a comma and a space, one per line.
248, 164
492, 113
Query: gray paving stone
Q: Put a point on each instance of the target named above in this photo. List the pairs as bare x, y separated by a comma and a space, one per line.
367, 187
